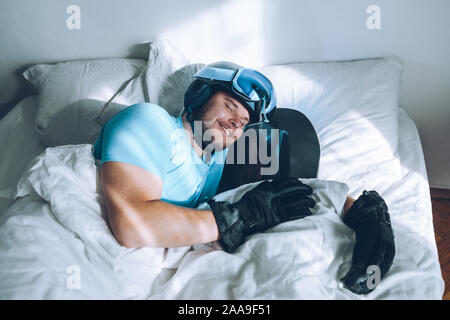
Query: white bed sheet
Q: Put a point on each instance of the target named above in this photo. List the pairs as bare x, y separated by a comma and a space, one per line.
30, 269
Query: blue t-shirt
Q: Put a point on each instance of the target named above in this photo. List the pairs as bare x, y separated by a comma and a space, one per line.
145, 135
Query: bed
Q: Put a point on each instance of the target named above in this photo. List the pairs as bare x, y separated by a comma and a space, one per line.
54, 242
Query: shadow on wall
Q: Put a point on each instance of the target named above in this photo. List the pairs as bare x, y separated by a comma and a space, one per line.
429, 108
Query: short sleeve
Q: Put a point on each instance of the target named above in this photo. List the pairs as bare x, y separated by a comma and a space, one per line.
138, 135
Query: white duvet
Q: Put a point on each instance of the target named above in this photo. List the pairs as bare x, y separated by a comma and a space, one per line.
55, 244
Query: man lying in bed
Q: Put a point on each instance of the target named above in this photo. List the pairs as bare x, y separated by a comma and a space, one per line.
155, 169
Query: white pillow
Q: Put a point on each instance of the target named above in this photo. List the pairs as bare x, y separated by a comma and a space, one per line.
72, 94
164, 59
171, 94
352, 105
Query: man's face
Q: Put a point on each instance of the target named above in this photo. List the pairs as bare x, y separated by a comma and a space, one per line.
223, 118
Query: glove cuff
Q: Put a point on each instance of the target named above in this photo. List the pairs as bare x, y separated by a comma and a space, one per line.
369, 204
229, 223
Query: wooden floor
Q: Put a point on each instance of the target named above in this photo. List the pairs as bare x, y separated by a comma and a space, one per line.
440, 199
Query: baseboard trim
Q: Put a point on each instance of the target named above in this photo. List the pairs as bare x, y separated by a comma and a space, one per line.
438, 193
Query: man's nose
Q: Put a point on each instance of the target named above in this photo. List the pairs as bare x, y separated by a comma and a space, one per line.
236, 123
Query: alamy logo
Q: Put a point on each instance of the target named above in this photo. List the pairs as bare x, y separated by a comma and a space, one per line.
373, 280
74, 277
375, 277
253, 141
74, 20
374, 19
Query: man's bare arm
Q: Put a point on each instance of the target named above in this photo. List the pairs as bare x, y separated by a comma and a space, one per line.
137, 217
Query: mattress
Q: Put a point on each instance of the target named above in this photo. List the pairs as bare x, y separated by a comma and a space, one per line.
52, 238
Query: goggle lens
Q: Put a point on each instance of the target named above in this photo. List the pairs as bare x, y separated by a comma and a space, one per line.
252, 85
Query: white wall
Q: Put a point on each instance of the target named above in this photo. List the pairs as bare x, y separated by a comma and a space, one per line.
250, 32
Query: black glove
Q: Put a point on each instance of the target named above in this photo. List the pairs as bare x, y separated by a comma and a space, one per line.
268, 204
369, 218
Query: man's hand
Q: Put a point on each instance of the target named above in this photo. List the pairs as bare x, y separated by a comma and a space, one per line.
369, 218
268, 204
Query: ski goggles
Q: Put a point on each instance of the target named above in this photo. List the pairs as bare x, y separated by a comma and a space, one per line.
248, 84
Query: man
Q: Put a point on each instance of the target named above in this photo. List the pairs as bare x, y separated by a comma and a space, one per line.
155, 170
149, 192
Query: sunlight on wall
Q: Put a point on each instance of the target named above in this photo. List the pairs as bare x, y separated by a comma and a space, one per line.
230, 31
